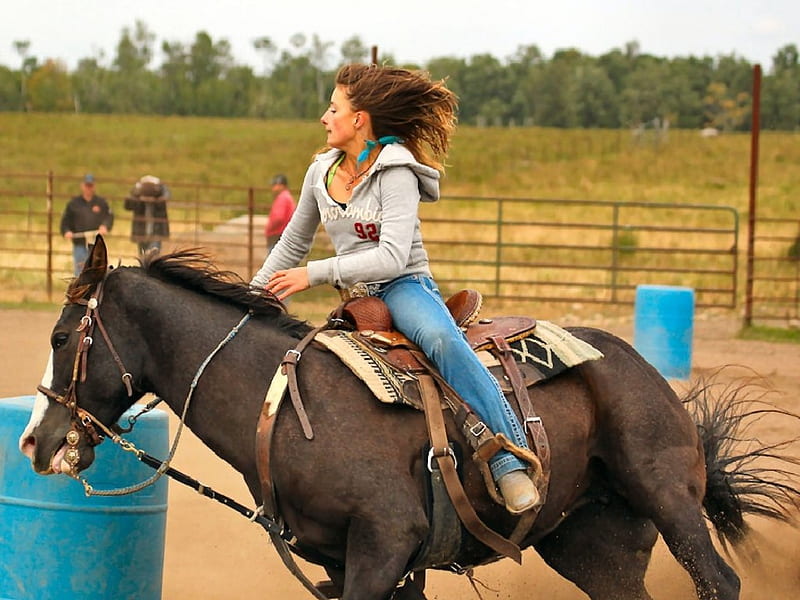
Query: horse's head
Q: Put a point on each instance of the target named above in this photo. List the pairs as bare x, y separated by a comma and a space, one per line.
85, 388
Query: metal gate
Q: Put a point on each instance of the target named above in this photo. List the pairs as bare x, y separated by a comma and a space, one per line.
578, 251
774, 287
544, 250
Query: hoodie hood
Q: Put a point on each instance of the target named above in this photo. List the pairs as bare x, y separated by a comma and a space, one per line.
397, 155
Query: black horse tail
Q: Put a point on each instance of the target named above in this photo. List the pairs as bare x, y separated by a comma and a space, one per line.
744, 475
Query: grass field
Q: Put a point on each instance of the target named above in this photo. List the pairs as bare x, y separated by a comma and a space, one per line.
521, 162
604, 165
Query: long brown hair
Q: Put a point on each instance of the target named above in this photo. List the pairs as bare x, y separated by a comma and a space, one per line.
407, 104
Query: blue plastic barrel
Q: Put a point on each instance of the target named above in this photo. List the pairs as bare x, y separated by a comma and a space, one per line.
58, 544
664, 327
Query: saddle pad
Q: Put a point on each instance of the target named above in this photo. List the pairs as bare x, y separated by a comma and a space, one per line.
549, 349
385, 382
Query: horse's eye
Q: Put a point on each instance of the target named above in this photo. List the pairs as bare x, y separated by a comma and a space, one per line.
59, 339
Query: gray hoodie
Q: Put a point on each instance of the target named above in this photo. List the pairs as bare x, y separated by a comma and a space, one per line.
376, 237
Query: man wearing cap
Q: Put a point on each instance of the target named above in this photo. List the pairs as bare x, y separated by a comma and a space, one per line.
84, 217
283, 206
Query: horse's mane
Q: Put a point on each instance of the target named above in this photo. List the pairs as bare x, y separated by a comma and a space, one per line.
194, 270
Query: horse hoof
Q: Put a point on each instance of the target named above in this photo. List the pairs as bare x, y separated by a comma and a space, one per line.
518, 491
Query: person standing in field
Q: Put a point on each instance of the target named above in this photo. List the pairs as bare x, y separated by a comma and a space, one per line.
83, 218
388, 131
283, 206
149, 223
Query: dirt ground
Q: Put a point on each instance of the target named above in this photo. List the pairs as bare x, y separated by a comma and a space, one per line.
212, 553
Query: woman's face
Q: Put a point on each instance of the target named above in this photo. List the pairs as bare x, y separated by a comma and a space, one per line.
339, 120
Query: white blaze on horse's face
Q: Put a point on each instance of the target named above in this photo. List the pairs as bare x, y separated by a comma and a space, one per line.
39, 407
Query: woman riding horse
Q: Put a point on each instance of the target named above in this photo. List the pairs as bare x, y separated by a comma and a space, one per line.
388, 131
627, 461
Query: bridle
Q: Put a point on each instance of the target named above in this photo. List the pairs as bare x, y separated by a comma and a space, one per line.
83, 423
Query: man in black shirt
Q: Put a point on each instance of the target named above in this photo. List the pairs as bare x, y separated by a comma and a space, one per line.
84, 217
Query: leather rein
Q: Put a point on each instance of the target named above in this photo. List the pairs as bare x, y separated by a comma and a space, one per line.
85, 424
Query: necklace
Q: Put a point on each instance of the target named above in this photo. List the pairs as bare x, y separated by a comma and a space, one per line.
353, 178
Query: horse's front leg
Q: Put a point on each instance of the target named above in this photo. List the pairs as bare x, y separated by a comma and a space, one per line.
378, 554
413, 589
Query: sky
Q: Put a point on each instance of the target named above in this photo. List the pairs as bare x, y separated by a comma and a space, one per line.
410, 30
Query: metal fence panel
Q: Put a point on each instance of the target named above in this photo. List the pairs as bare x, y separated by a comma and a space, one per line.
546, 250
583, 251
776, 272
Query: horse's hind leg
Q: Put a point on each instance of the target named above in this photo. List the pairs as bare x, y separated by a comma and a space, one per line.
667, 486
685, 532
603, 549
654, 460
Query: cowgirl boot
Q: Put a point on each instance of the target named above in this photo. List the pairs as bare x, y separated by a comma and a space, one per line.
518, 491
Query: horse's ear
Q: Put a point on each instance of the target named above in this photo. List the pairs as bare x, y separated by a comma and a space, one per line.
98, 255
94, 269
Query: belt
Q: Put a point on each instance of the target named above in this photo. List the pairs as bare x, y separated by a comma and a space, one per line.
359, 290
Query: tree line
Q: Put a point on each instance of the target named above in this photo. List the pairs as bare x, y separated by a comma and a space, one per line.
621, 88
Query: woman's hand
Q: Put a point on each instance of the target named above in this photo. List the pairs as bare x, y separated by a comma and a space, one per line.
285, 283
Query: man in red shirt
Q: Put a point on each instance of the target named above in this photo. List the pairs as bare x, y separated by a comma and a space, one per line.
283, 206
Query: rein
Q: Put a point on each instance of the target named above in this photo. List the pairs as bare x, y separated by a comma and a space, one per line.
83, 421
164, 465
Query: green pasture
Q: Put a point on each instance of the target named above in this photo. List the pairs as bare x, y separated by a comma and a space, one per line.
681, 168
771, 334
521, 162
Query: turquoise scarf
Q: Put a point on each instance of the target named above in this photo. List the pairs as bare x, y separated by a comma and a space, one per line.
370, 144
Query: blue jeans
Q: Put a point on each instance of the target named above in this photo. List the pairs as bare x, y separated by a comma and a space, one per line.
419, 312
80, 252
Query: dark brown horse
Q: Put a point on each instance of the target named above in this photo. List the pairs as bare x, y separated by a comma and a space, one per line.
627, 461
